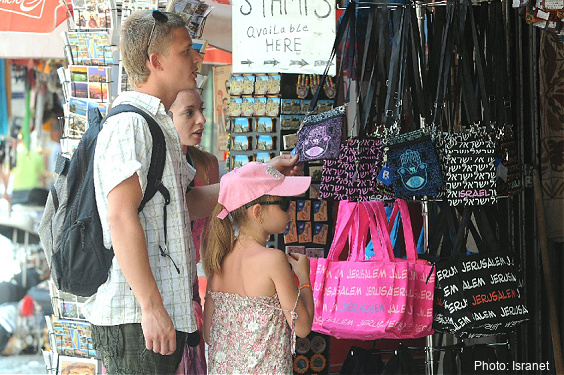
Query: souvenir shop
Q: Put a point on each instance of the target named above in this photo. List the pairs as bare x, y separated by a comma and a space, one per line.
433, 135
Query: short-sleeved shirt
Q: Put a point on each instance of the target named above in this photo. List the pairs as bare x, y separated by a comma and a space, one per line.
123, 148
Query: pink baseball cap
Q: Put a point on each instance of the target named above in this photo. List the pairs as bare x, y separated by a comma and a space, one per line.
253, 180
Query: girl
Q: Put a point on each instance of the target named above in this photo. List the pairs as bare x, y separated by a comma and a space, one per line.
188, 117
253, 306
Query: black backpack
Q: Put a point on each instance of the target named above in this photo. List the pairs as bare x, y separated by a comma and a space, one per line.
70, 229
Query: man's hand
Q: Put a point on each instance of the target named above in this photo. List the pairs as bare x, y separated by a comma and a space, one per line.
160, 336
286, 164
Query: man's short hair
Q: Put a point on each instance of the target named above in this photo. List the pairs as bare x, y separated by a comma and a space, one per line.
135, 33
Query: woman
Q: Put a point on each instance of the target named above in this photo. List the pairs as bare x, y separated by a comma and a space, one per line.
188, 117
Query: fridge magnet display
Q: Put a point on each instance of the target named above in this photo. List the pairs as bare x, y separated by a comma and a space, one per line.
329, 88
235, 107
265, 125
265, 142
241, 125
320, 233
304, 231
75, 126
315, 252
291, 233
241, 142
289, 141
248, 84
295, 250
290, 107
273, 84
319, 210
315, 172
248, 106
236, 85
272, 106
261, 84
240, 160
290, 122
263, 157
260, 106
303, 209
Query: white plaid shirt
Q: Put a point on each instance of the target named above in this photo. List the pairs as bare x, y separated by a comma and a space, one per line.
124, 148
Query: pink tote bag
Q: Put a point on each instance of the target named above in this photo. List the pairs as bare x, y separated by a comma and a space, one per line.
361, 297
418, 318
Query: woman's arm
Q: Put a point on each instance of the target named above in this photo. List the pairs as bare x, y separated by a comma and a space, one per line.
208, 313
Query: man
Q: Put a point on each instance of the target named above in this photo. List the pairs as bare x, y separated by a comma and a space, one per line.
141, 315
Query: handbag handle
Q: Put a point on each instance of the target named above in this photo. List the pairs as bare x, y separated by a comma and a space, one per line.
344, 222
386, 250
348, 20
410, 248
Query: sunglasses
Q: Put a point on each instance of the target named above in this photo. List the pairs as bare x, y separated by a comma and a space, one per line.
159, 17
284, 204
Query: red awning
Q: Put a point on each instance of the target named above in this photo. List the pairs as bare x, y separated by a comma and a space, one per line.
31, 16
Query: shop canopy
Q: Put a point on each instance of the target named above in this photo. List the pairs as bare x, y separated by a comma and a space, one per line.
32, 28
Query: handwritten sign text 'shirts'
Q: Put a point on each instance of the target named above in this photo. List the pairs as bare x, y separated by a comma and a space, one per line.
293, 33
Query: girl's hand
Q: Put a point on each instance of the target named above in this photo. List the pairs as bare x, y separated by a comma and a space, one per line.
300, 265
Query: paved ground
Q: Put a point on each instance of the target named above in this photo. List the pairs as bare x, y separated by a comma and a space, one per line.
23, 364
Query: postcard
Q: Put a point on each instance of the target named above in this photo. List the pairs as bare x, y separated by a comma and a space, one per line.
319, 210
320, 233
78, 106
72, 365
315, 171
92, 14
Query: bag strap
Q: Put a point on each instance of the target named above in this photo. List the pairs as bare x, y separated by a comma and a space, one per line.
384, 252
347, 21
342, 226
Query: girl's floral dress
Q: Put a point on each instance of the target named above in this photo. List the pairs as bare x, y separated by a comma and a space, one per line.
249, 335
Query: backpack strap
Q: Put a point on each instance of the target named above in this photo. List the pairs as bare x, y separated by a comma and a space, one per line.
156, 168
158, 156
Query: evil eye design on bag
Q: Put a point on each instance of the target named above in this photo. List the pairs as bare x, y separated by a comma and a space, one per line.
317, 142
413, 172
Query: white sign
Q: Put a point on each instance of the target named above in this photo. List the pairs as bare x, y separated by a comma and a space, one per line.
287, 36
